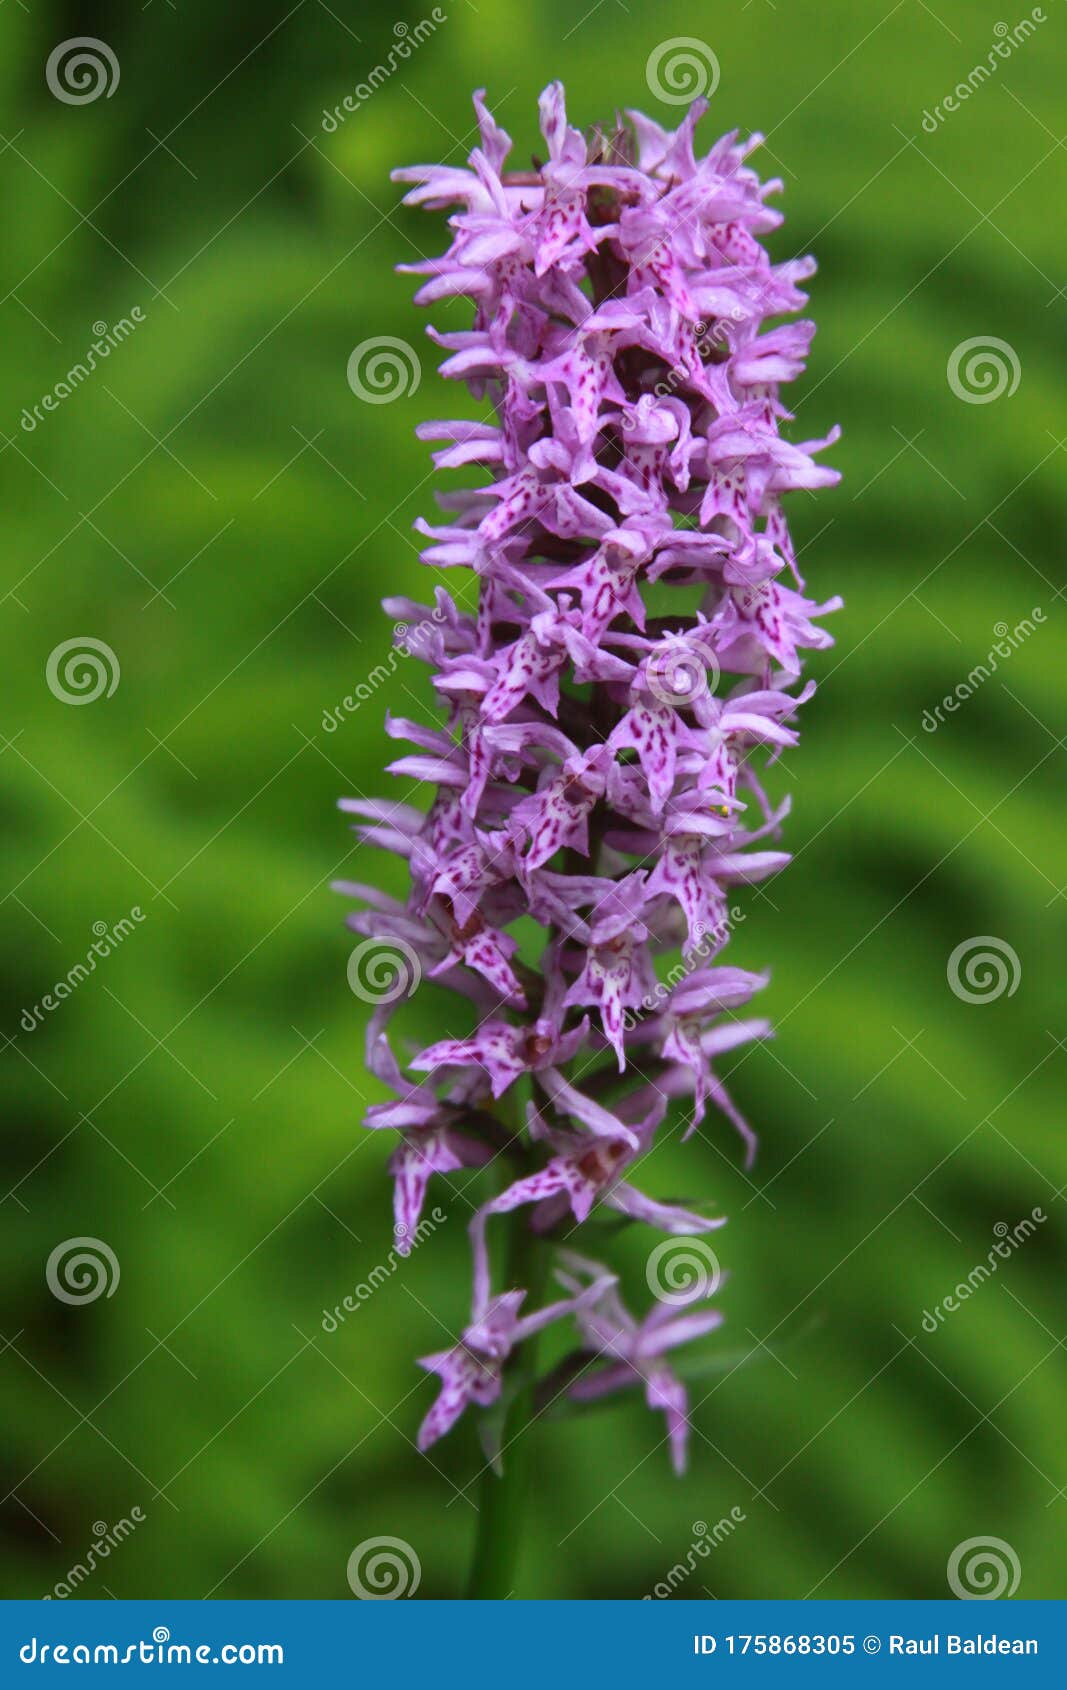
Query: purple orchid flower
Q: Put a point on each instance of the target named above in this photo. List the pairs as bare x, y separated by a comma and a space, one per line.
586, 1168
630, 1352
598, 774
432, 1139
471, 1372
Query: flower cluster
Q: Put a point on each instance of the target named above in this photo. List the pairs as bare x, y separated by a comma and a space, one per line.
634, 652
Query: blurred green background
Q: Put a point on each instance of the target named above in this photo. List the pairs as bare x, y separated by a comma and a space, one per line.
218, 507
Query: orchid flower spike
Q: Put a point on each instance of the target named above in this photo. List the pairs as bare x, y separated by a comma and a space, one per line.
597, 775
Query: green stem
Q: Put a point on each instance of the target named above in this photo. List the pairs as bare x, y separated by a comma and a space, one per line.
502, 1496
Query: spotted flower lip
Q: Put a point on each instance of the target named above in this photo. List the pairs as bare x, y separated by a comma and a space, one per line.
597, 777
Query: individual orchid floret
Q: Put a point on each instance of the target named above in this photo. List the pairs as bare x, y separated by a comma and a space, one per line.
471, 1371
630, 1352
506, 1052
432, 1139
615, 684
586, 1168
